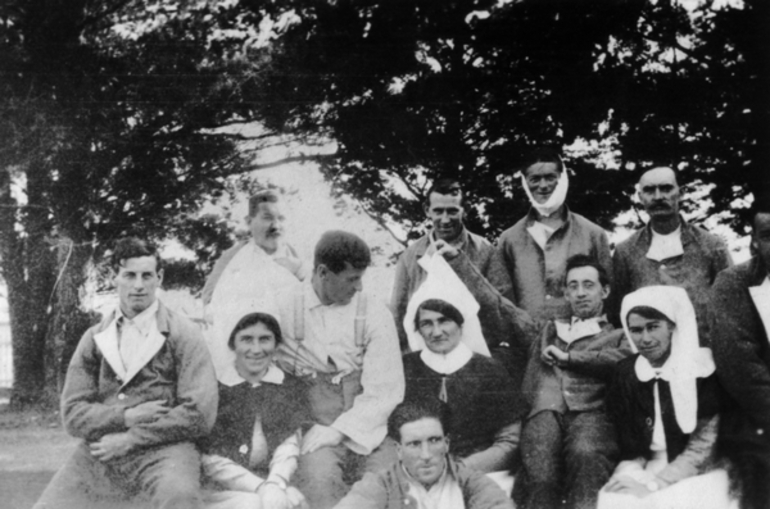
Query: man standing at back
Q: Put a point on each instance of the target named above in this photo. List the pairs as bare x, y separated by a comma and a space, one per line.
140, 389
534, 251
668, 250
472, 258
247, 277
344, 347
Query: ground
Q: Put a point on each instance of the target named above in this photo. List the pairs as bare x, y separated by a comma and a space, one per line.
33, 445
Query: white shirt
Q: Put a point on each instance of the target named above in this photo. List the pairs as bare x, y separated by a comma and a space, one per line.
133, 332
444, 494
329, 334
666, 246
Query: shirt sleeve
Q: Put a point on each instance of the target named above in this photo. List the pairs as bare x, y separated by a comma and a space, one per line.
228, 474
382, 381
600, 359
283, 464
698, 453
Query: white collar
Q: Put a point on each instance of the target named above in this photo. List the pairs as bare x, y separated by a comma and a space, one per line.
143, 320
663, 246
578, 328
273, 376
447, 363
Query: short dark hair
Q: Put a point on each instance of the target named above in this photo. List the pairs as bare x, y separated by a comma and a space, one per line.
445, 186
439, 306
761, 205
583, 260
337, 247
133, 247
414, 410
542, 155
266, 196
253, 319
649, 313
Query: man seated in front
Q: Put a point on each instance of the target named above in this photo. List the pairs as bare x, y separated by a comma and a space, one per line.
568, 443
140, 389
344, 347
425, 476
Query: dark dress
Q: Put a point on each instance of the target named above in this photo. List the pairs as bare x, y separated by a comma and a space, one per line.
631, 405
479, 395
282, 408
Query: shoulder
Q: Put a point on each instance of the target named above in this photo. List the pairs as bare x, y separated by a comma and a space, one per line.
415, 249
705, 238
739, 277
579, 221
514, 232
488, 366
412, 361
481, 243
628, 244
177, 327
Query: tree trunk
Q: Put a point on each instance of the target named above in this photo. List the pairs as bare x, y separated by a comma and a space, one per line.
69, 320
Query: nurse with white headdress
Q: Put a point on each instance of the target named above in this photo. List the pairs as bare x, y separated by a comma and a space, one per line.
665, 401
450, 361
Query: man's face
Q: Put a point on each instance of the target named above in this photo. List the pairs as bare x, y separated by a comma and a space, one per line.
761, 237
254, 349
341, 287
267, 226
136, 282
652, 338
659, 193
423, 449
446, 212
584, 292
542, 179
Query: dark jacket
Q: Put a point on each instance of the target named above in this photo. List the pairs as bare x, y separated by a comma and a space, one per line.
533, 279
705, 255
388, 489
581, 386
281, 408
631, 405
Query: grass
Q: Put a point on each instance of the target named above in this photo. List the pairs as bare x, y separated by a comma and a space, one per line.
33, 446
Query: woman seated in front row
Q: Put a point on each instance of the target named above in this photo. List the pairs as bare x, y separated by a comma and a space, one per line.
665, 401
450, 361
252, 452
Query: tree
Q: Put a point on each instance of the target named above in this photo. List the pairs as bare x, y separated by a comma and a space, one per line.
415, 90
109, 113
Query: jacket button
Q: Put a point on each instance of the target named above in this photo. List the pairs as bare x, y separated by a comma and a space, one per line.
121, 396
760, 431
649, 422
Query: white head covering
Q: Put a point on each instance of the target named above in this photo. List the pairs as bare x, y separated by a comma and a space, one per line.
556, 199
687, 360
442, 283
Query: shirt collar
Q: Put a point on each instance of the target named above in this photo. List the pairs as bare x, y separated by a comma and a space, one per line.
143, 320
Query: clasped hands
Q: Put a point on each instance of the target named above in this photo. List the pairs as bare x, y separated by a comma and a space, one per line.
116, 445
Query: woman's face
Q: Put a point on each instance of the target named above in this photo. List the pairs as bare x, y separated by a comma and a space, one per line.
441, 334
652, 338
254, 349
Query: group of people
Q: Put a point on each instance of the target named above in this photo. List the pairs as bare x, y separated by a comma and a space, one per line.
539, 372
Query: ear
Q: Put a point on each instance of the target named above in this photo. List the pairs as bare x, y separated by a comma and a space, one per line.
605, 291
160, 276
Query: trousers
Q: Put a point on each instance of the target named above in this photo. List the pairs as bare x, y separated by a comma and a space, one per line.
566, 459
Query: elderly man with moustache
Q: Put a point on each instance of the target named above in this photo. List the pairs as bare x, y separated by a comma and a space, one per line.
140, 389
343, 346
668, 250
247, 277
425, 476
534, 252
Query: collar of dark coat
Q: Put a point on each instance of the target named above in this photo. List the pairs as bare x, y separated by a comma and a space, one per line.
164, 318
